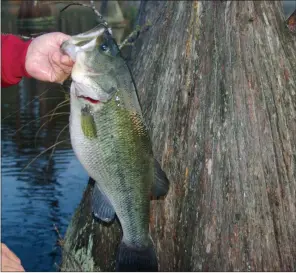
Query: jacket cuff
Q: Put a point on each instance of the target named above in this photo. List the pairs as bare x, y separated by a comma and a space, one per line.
13, 54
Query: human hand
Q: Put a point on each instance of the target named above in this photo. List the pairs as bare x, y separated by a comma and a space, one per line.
9, 261
45, 61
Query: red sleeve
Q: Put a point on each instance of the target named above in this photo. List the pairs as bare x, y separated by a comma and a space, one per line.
13, 54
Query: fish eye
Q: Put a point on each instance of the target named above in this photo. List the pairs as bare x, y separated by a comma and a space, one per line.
104, 47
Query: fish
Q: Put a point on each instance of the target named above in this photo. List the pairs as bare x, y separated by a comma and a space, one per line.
111, 140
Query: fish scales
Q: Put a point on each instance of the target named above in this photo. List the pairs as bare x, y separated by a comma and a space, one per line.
112, 143
125, 159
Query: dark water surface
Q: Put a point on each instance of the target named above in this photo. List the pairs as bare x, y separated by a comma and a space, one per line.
44, 194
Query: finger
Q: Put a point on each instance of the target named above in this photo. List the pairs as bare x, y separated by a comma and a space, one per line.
58, 71
12, 269
61, 60
61, 73
12, 259
11, 256
7, 262
66, 60
60, 67
6, 251
61, 37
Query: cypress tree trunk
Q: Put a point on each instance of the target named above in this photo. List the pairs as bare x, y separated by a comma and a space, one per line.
217, 84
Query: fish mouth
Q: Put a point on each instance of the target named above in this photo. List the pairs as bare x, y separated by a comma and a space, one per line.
82, 42
88, 93
89, 99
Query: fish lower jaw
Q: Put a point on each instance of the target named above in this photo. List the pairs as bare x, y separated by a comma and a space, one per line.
82, 89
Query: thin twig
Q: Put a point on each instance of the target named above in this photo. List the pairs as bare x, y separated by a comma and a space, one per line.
101, 18
39, 130
53, 150
61, 240
73, 259
58, 267
28, 123
132, 37
61, 243
92, 6
43, 152
33, 100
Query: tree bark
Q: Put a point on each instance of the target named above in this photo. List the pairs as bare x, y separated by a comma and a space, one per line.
216, 81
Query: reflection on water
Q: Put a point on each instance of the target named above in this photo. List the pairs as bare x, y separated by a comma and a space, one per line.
47, 191
44, 194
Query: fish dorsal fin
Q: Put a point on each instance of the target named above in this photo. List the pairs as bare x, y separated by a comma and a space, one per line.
161, 184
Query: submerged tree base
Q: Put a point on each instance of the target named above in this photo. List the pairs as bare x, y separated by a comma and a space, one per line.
89, 243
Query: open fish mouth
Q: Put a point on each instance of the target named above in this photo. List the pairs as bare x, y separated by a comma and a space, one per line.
88, 93
89, 99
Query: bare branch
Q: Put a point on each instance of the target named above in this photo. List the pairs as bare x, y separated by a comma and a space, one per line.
101, 18
132, 37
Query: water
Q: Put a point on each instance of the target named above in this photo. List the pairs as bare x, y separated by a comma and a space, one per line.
45, 194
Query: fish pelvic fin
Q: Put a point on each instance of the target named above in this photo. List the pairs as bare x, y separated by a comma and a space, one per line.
136, 259
161, 184
101, 206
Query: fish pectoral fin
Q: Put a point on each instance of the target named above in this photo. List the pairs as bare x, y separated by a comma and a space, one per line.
161, 183
101, 206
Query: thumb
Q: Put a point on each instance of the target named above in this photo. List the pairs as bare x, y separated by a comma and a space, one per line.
61, 37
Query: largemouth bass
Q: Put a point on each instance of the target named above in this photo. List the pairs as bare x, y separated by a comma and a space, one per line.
111, 141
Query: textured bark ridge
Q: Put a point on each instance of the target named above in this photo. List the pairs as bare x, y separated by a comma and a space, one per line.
217, 84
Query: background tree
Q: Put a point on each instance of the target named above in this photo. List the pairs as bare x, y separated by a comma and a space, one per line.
217, 84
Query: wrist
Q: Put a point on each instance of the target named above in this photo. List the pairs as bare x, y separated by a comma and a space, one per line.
24, 71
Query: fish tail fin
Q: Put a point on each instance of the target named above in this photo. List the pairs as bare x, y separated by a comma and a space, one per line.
132, 258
